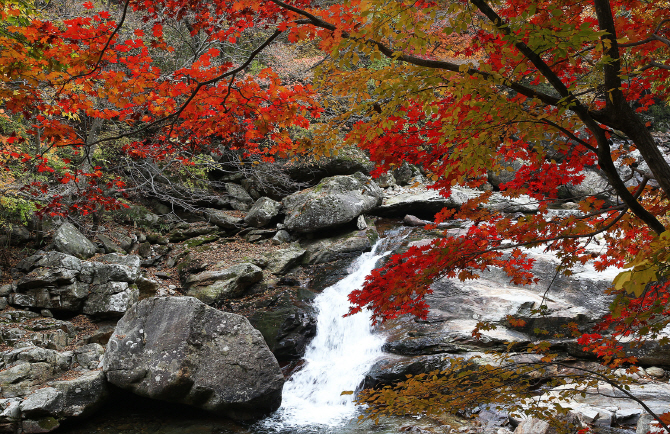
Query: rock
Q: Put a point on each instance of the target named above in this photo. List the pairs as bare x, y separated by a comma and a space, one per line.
405, 173
648, 425
213, 286
288, 324
82, 395
180, 350
239, 198
281, 237
506, 173
344, 245
110, 300
333, 202
144, 250
655, 372
385, 180
455, 308
361, 224
109, 245
410, 220
348, 161
391, 369
262, 213
183, 234
223, 219
594, 184
147, 287
537, 426
69, 240
14, 235
422, 203
628, 416
281, 261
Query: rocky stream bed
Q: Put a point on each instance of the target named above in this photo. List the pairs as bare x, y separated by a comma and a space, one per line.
196, 326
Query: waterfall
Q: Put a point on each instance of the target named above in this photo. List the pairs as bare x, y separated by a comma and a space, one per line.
337, 359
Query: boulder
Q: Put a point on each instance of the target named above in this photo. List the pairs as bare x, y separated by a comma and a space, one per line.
212, 286
262, 213
223, 219
35, 397
333, 202
64, 283
109, 245
348, 161
180, 350
288, 324
281, 237
405, 173
346, 245
14, 235
239, 198
69, 240
282, 260
111, 299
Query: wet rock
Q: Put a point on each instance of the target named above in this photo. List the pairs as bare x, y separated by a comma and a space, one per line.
393, 369
178, 349
69, 240
333, 202
288, 324
213, 286
263, 212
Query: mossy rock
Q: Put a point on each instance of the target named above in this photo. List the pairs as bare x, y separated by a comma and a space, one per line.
195, 242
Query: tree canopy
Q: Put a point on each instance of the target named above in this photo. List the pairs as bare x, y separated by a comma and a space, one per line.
460, 89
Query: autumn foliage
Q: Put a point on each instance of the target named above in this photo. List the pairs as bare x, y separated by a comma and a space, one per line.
460, 89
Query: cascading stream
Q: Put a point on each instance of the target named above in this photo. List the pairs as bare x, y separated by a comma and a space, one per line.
338, 357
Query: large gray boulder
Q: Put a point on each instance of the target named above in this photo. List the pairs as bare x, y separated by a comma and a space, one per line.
216, 285
180, 350
333, 202
262, 213
69, 240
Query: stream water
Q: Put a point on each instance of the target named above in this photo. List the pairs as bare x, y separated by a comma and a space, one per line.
337, 359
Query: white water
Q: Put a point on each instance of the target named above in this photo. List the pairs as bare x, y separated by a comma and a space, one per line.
337, 359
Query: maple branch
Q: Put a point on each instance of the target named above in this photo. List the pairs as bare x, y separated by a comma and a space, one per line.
104, 49
175, 115
418, 61
653, 37
622, 389
654, 64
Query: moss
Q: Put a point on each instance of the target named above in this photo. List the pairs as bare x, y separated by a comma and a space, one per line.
48, 423
195, 242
